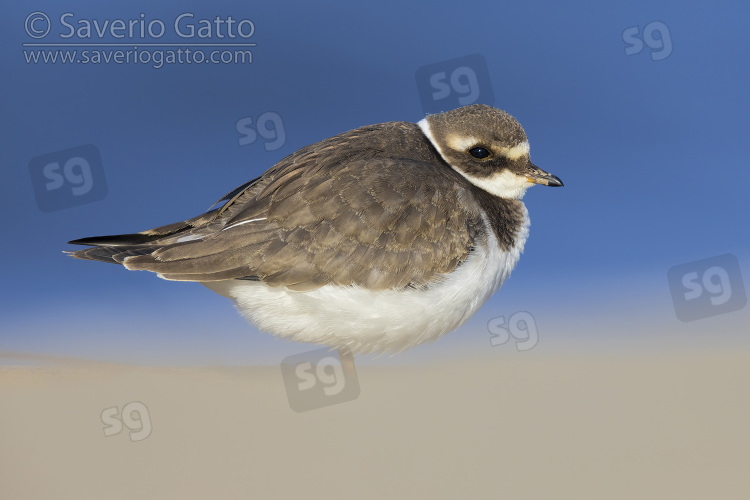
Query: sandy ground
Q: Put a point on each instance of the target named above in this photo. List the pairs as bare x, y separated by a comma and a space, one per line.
538, 427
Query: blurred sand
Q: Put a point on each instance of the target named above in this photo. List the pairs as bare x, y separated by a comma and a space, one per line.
537, 427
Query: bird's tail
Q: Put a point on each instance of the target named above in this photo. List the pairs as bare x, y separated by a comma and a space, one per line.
114, 249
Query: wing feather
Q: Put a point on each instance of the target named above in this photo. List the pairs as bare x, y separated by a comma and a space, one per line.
377, 221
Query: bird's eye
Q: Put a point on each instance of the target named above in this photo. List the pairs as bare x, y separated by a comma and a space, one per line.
479, 152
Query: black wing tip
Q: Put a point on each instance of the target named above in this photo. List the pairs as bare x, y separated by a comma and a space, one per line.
80, 241
114, 240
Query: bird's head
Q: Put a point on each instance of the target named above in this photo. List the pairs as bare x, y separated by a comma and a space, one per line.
488, 147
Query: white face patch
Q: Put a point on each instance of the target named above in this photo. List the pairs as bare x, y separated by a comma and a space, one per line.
462, 142
503, 184
517, 151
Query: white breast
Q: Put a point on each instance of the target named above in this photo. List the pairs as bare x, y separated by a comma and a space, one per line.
377, 321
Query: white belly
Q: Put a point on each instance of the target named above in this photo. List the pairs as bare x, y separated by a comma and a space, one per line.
376, 321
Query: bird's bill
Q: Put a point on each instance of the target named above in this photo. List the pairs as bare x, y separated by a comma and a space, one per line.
538, 176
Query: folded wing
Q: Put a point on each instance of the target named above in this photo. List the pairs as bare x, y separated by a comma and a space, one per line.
377, 223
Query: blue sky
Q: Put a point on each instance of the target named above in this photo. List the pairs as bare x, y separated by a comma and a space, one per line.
641, 109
